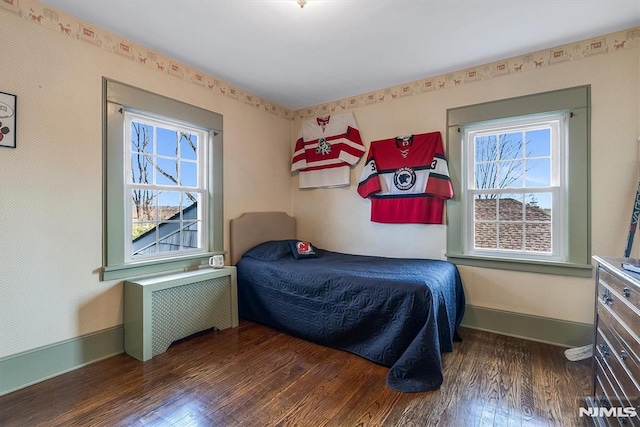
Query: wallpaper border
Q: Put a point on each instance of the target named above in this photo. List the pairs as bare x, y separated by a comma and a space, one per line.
44, 15
34, 12
542, 59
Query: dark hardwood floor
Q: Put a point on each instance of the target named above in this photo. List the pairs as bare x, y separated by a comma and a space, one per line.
255, 376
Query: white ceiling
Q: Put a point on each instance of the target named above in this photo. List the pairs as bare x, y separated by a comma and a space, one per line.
333, 49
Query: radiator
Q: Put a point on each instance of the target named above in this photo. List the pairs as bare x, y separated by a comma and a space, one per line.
160, 310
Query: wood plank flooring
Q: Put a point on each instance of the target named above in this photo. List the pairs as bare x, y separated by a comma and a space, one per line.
255, 376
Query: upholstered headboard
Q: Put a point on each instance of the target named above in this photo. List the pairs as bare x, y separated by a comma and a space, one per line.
253, 228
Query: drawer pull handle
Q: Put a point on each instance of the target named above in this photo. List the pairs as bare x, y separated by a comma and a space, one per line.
623, 355
604, 349
606, 297
626, 292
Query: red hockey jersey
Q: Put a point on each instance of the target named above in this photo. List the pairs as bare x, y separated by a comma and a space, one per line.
407, 179
325, 150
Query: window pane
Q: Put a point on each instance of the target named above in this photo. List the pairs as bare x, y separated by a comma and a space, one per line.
538, 237
538, 173
143, 206
510, 207
188, 146
169, 229
169, 241
190, 235
169, 205
143, 238
139, 229
485, 235
538, 207
167, 142
192, 220
189, 174
166, 171
538, 143
190, 202
485, 207
485, 148
141, 169
510, 175
486, 175
141, 138
511, 236
510, 145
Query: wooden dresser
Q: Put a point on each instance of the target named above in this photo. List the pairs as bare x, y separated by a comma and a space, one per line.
616, 385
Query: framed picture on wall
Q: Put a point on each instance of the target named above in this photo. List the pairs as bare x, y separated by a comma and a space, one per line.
8, 120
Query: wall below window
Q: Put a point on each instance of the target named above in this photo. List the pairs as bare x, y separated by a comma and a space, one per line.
338, 219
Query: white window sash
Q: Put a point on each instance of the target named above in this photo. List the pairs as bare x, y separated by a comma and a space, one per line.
556, 122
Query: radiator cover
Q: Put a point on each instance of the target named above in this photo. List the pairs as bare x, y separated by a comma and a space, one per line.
162, 309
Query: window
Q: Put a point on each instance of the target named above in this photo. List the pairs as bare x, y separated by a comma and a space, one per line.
162, 183
165, 187
514, 187
520, 170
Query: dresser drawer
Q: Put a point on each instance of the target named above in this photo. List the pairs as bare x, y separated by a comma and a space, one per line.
625, 342
618, 305
625, 291
626, 386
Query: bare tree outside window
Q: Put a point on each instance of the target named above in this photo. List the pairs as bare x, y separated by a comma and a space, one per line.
499, 161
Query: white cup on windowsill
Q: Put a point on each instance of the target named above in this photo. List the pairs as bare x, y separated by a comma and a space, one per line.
217, 261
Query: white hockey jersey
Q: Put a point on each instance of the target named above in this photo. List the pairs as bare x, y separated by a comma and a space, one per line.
325, 150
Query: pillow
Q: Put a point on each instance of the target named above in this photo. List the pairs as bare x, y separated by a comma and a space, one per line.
270, 251
301, 249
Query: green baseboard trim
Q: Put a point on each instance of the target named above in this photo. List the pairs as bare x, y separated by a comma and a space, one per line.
24, 369
535, 328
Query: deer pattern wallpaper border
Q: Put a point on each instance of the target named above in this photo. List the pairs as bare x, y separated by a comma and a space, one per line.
39, 14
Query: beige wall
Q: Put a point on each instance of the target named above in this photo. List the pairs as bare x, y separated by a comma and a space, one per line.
338, 219
51, 185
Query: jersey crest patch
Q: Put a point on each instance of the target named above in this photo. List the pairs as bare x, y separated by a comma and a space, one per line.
404, 178
324, 147
323, 122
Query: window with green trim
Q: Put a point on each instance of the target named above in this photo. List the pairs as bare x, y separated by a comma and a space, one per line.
520, 170
162, 183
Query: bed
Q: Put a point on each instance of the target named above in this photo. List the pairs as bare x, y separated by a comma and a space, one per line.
399, 313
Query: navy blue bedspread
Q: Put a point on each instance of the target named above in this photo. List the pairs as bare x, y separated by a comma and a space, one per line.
400, 313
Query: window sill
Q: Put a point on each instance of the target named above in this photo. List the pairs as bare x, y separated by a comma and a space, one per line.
143, 268
530, 266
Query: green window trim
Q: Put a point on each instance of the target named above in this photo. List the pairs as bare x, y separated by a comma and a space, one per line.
183, 263
576, 101
116, 96
531, 266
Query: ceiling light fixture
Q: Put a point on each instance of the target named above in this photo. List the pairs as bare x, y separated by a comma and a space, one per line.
302, 3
